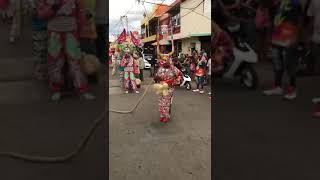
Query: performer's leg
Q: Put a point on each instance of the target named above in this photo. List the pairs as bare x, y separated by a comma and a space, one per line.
73, 53
164, 106
133, 82
126, 80
121, 79
55, 63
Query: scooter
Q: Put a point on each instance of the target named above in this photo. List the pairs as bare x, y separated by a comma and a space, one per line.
186, 81
241, 67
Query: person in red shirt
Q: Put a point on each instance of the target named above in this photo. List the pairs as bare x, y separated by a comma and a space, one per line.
200, 76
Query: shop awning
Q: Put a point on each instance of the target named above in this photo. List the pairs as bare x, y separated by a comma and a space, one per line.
199, 34
149, 39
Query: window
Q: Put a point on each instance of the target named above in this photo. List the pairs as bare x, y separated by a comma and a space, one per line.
176, 20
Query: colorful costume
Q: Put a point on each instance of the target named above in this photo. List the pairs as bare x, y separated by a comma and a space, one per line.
167, 75
130, 67
65, 20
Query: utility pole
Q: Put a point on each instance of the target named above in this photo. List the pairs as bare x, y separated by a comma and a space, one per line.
126, 19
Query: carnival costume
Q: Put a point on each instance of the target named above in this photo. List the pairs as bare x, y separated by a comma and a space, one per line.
65, 22
130, 69
167, 77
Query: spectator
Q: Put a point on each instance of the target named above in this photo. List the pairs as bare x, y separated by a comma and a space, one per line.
288, 20
152, 68
263, 26
200, 76
209, 76
141, 67
314, 12
193, 62
176, 63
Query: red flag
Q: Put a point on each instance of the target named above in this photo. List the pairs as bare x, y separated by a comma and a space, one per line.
122, 37
135, 40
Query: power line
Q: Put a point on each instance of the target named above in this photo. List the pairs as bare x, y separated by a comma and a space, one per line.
164, 4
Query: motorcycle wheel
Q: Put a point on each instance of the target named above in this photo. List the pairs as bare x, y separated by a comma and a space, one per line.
188, 86
249, 77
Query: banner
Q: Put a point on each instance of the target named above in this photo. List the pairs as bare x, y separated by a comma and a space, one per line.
123, 37
135, 39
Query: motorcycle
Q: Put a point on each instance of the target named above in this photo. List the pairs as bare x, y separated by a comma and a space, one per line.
241, 66
186, 80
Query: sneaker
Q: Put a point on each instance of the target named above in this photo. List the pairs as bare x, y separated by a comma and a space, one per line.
126, 92
209, 93
56, 96
274, 91
88, 96
291, 94
316, 100
202, 91
137, 92
196, 90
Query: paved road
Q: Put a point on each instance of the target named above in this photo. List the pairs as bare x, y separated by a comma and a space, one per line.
30, 124
141, 148
262, 138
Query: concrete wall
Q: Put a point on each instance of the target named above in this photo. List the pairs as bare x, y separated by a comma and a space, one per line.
194, 23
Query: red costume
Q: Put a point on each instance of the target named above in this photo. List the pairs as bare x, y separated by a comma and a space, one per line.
169, 74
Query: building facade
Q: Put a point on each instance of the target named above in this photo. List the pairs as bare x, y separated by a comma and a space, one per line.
190, 21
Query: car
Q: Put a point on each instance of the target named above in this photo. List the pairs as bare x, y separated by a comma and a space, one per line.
147, 57
147, 65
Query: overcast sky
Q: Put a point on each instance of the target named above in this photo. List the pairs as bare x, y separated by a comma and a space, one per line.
118, 8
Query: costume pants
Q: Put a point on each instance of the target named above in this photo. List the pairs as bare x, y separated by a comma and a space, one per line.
64, 47
129, 79
164, 104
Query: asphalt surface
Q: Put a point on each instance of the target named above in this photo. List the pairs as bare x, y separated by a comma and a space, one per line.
265, 138
31, 124
142, 148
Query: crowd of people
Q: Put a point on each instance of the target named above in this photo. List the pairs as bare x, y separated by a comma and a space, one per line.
63, 32
198, 66
282, 27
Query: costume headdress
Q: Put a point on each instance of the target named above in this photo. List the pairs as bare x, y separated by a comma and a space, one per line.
128, 43
164, 58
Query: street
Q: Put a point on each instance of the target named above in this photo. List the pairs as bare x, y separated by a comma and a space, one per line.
32, 125
265, 138
142, 148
